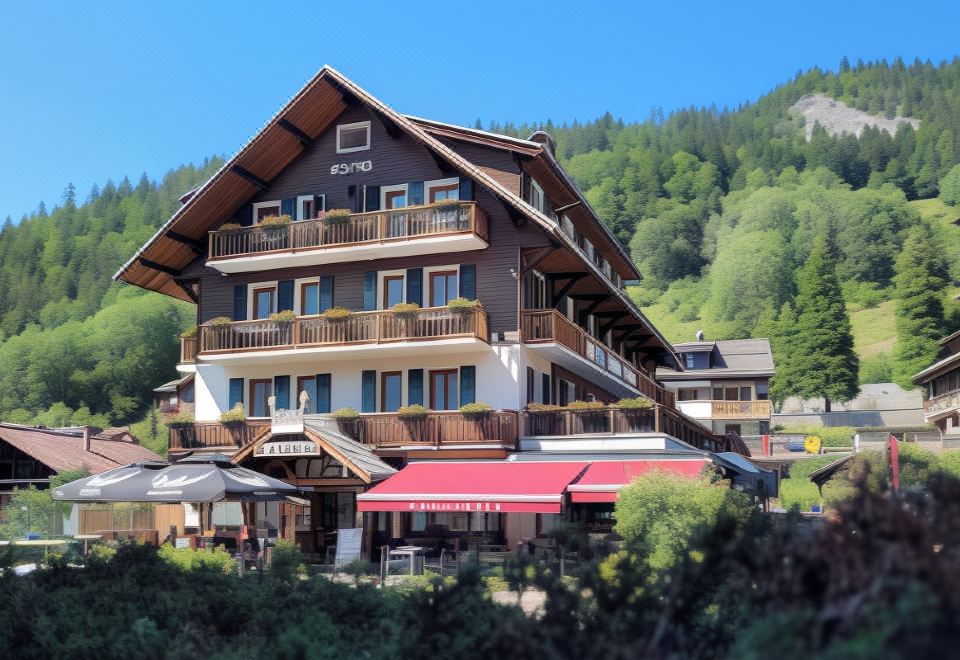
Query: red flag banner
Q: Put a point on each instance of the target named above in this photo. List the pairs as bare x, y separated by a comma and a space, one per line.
893, 451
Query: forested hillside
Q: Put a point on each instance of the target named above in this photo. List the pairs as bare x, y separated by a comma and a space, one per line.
74, 347
719, 207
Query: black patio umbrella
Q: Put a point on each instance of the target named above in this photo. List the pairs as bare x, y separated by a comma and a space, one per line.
211, 478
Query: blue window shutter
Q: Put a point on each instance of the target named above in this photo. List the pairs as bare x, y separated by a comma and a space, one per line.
369, 388
468, 281
466, 188
287, 206
415, 193
245, 215
319, 204
326, 292
415, 286
545, 382
240, 302
284, 295
281, 390
415, 387
369, 290
372, 195
236, 392
468, 385
322, 403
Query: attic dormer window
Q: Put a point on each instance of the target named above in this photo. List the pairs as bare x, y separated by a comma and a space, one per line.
353, 137
697, 360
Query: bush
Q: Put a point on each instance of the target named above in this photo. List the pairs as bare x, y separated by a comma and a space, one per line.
220, 321
586, 406
447, 204
336, 216
286, 561
543, 407
235, 415
195, 560
476, 410
405, 309
462, 305
876, 369
286, 317
275, 221
189, 333
336, 314
830, 436
416, 411
180, 420
344, 414
230, 226
635, 403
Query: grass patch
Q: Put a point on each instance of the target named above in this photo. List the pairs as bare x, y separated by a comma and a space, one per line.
797, 490
874, 328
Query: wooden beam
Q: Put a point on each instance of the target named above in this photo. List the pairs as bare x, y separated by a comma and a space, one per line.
612, 322
391, 127
159, 267
439, 160
629, 327
565, 276
589, 310
188, 286
292, 128
593, 297
558, 296
516, 217
192, 243
530, 258
250, 176
619, 314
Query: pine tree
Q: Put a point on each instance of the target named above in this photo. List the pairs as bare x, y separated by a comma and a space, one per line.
781, 337
822, 362
921, 274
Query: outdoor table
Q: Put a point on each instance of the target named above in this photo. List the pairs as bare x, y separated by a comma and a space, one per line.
414, 553
86, 538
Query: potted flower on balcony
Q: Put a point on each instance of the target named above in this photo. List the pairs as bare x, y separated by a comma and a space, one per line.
475, 411
544, 419
220, 321
336, 314
406, 314
347, 419
189, 333
284, 321
234, 417
180, 421
336, 217
590, 415
230, 226
634, 414
412, 413
462, 306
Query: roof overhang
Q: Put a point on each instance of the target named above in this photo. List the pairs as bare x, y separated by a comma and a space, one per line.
936, 368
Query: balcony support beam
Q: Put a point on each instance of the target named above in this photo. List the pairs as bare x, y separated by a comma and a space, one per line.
573, 279
292, 128
197, 246
158, 267
612, 322
250, 177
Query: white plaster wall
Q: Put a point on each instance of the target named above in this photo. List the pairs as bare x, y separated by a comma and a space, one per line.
499, 376
696, 409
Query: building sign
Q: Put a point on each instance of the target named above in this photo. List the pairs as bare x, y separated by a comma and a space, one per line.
286, 421
455, 506
288, 448
351, 168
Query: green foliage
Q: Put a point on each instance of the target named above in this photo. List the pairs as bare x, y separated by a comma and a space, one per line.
477, 410
412, 412
286, 317
286, 561
152, 432
586, 406
658, 513
462, 305
235, 415
346, 413
230, 226
180, 420
950, 186
921, 276
405, 309
535, 407
188, 560
220, 321
635, 403
274, 221
336, 314
336, 216
876, 369
796, 490
830, 436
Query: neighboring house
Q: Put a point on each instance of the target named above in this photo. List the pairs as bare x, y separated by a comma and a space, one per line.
724, 383
511, 292
175, 397
30, 456
941, 390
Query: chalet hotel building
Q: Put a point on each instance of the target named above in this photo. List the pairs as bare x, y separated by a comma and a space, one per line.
349, 256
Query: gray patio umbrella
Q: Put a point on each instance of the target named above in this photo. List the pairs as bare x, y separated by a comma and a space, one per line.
193, 479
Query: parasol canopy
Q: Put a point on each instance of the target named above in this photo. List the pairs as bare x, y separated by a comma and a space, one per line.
211, 478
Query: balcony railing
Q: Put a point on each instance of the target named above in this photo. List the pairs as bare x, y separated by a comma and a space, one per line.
188, 349
942, 403
541, 326
438, 429
206, 435
658, 419
741, 409
360, 228
379, 327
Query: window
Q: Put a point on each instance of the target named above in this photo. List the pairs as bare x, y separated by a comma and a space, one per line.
395, 199
718, 394
392, 290
697, 360
353, 137
531, 385
309, 205
732, 394
762, 392
444, 189
535, 290
745, 393
309, 298
566, 392
444, 393
308, 384
391, 391
262, 210
443, 287
263, 302
536, 195
259, 393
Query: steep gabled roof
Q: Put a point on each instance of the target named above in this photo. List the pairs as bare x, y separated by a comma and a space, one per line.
737, 358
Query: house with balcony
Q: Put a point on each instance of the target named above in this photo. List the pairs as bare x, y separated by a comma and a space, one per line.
940, 383
724, 384
351, 262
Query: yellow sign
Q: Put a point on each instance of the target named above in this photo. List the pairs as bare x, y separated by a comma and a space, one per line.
812, 444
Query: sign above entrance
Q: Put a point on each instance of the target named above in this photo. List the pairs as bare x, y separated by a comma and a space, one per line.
288, 448
352, 168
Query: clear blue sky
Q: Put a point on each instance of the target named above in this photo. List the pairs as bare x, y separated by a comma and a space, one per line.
105, 89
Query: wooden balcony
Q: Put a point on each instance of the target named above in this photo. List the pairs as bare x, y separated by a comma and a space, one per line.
741, 409
609, 421
544, 326
361, 230
208, 435
940, 405
446, 429
188, 349
380, 327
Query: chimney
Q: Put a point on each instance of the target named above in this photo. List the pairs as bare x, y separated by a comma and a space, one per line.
699, 335
86, 438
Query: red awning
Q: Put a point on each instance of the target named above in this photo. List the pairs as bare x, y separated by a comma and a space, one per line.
493, 487
604, 479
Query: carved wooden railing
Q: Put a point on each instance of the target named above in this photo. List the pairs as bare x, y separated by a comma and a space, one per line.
939, 404
741, 409
188, 349
206, 435
548, 325
359, 328
393, 225
611, 420
438, 429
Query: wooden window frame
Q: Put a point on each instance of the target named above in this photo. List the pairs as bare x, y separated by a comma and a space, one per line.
262, 205
383, 388
312, 199
383, 287
300, 381
252, 387
303, 296
441, 186
433, 394
390, 195
444, 273
255, 306
349, 127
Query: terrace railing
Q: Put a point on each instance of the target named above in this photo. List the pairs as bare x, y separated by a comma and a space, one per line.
394, 225
437, 429
944, 402
188, 349
207, 435
741, 409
